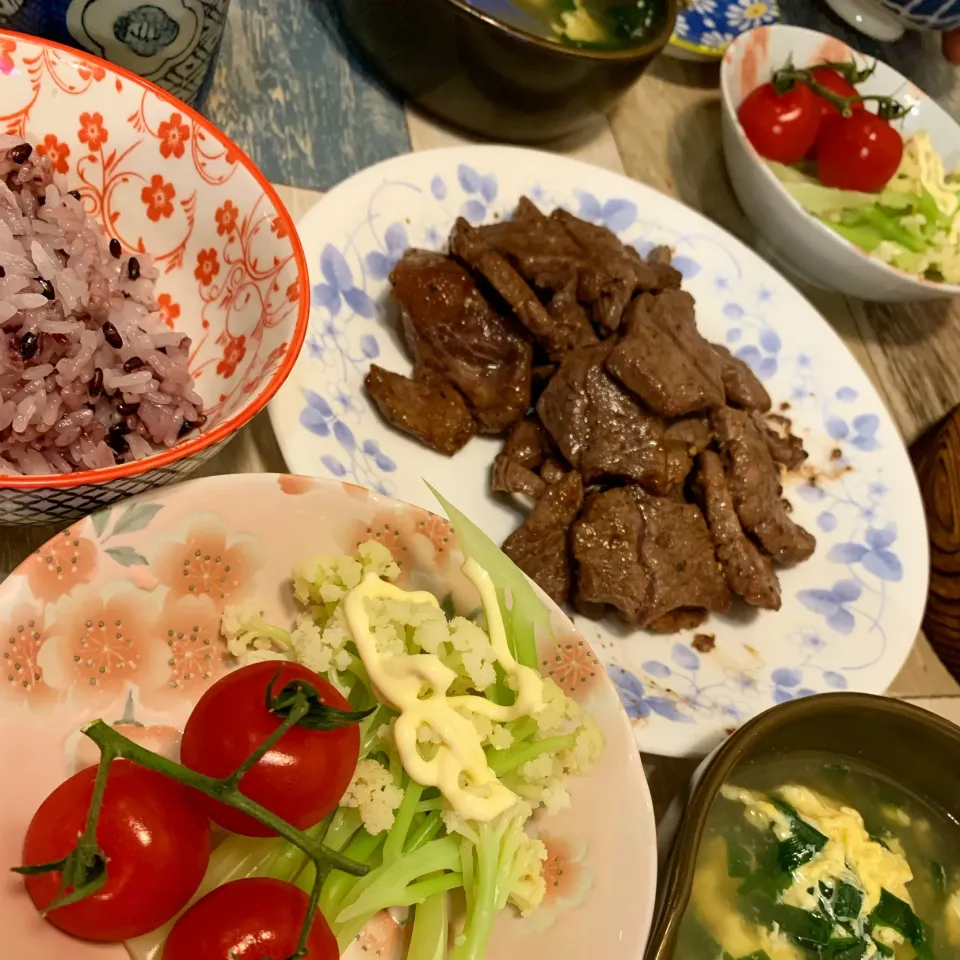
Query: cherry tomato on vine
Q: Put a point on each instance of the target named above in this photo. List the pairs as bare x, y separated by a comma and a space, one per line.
247, 920
829, 79
859, 152
156, 840
781, 126
301, 778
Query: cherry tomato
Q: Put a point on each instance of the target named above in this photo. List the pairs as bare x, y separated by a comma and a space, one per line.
828, 78
156, 840
781, 126
248, 920
301, 778
859, 152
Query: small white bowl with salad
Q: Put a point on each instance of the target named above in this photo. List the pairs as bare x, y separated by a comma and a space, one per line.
848, 171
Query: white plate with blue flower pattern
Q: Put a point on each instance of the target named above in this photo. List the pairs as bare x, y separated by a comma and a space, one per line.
849, 615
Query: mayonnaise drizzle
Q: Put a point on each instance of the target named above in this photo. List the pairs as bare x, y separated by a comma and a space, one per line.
417, 686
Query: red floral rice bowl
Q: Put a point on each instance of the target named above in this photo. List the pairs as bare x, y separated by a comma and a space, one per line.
208, 298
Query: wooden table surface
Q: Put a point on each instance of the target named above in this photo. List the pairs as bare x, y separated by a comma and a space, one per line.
666, 133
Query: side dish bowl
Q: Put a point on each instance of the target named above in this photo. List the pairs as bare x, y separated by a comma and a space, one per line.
799, 241
913, 748
232, 275
474, 70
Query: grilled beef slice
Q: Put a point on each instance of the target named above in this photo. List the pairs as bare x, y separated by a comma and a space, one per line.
509, 476
647, 556
740, 383
598, 426
539, 248
605, 543
528, 444
749, 572
664, 360
660, 259
755, 484
682, 440
784, 447
539, 547
562, 328
451, 329
431, 408
616, 273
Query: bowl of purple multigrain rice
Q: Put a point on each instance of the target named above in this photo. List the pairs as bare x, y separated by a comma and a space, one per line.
153, 291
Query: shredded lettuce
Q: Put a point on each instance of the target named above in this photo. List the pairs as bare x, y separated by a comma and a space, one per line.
913, 224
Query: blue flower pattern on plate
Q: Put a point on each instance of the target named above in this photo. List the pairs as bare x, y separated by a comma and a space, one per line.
855, 536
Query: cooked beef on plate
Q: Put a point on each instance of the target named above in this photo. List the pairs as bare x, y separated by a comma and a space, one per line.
429, 408
648, 456
539, 546
563, 327
601, 429
784, 447
647, 556
749, 571
755, 485
451, 329
740, 383
664, 360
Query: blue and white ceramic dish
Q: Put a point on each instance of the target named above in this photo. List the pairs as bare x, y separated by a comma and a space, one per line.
173, 43
850, 614
705, 28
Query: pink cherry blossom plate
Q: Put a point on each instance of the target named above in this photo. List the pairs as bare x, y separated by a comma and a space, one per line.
118, 617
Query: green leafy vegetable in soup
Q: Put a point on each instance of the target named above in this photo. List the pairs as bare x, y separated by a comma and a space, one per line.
807, 860
596, 23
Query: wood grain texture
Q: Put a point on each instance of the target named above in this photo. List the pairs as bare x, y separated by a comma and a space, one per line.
290, 90
938, 467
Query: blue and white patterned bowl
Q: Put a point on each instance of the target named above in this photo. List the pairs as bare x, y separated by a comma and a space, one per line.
850, 614
926, 14
705, 28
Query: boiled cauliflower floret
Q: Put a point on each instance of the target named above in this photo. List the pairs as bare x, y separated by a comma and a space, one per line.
503, 842
245, 629
261, 656
492, 734
325, 579
542, 783
558, 708
528, 888
373, 792
322, 649
587, 751
476, 656
400, 627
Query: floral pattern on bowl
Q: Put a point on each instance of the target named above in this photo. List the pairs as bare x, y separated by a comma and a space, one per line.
850, 614
705, 28
118, 617
165, 182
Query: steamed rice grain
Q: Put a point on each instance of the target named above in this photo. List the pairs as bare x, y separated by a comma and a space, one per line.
70, 398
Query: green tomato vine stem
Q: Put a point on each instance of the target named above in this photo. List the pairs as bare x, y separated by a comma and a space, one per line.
84, 868
887, 107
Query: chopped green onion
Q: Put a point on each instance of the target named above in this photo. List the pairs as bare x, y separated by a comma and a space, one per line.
804, 842
898, 915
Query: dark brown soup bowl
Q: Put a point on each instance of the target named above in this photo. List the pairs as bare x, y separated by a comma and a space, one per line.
908, 745
492, 79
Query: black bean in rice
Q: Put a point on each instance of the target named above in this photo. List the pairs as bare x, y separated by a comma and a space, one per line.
77, 352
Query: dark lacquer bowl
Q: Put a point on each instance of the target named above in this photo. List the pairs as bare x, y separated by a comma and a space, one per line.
493, 79
912, 747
